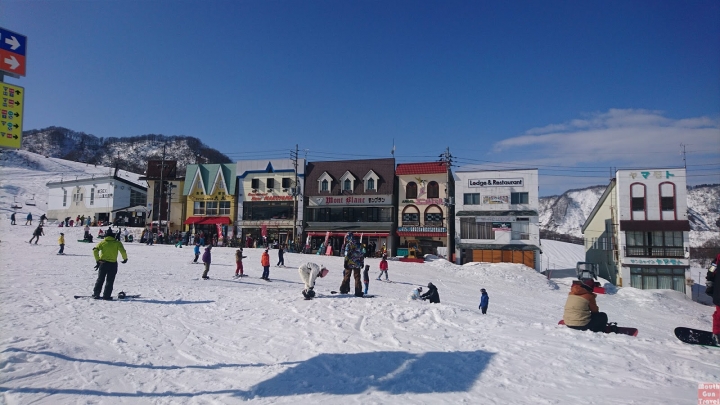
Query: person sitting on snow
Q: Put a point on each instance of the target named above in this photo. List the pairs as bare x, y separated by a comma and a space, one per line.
308, 273
581, 310
415, 295
432, 295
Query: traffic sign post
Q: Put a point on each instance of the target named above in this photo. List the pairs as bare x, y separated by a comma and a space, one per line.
13, 50
11, 115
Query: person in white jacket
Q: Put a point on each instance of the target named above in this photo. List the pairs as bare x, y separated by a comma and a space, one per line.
308, 273
415, 295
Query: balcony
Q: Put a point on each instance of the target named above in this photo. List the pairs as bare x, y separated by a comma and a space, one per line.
434, 223
654, 251
410, 223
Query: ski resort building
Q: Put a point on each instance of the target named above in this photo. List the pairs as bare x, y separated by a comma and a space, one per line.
97, 197
210, 193
638, 233
351, 195
270, 206
423, 215
166, 203
496, 217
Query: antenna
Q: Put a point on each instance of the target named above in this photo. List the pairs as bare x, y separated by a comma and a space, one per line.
683, 153
392, 152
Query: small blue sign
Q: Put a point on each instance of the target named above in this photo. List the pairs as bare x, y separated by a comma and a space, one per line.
13, 42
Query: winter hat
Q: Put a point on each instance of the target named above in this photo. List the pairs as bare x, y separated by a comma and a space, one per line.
430, 285
482, 290
324, 272
62, 233
109, 232
589, 282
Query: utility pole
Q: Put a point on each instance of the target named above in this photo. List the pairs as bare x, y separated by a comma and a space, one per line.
446, 158
683, 153
160, 189
295, 193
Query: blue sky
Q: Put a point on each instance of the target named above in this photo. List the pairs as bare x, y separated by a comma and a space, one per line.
573, 88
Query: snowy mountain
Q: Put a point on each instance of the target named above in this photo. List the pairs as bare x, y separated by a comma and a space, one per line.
130, 153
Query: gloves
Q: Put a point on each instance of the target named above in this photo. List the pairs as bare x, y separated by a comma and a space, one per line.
709, 290
124, 261
97, 265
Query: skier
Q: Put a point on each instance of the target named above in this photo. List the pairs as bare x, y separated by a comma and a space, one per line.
206, 258
366, 278
61, 242
37, 233
106, 258
238, 260
281, 260
581, 310
354, 261
197, 252
12, 219
308, 273
43, 218
28, 219
714, 291
432, 295
383, 268
125, 234
415, 295
265, 262
484, 301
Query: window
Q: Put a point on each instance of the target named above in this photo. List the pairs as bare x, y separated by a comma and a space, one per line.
255, 183
371, 184
638, 203
667, 203
433, 219
199, 208
471, 198
64, 198
664, 278
469, 229
224, 208
286, 182
654, 244
521, 229
411, 219
519, 198
411, 190
347, 185
433, 190
92, 196
270, 184
371, 180
324, 185
137, 198
211, 208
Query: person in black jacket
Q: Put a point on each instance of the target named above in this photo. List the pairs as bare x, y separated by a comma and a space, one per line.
713, 289
432, 294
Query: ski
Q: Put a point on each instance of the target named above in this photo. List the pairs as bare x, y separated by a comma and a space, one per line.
694, 336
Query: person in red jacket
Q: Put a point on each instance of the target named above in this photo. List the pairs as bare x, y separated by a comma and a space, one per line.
714, 291
383, 268
265, 262
581, 310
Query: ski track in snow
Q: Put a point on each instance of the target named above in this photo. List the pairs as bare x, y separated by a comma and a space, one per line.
226, 340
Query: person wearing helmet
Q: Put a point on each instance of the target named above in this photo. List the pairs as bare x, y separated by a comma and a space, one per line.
308, 273
432, 295
581, 310
354, 262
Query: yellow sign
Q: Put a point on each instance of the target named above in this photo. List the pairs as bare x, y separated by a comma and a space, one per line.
11, 115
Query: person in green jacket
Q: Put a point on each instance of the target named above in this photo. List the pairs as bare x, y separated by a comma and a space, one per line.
106, 253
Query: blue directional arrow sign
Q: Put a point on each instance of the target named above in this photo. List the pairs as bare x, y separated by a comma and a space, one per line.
13, 42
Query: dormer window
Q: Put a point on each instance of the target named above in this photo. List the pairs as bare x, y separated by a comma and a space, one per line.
324, 186
348, 181
347, 185
325, 182
371, 181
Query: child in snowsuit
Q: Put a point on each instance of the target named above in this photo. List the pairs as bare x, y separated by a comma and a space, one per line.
265, 262
383, 268
197, 252
238, 261
61, 241
484, 301
432, 295
36, 234
416, 294
207, 258
713, 290
366, 277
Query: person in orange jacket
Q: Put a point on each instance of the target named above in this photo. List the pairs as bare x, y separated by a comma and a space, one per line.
581, 310
265, 262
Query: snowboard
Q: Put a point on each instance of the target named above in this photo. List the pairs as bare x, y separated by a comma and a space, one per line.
90, 296
620, 329
694, 336
364, 296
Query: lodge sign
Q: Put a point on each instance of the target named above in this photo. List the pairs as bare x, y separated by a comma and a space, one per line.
495, 183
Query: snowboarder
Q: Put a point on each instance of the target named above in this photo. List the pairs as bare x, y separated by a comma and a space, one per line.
28, 219
12, 219
197, 252
415, 295
238, 261
354, 262
36, 234
366, 278
581, 310
265, 262
43, 218
432, 295
87, 235
106, 253
383, 268
281, 260
61, 242
308, 273
206, 258
714, 291
484, 301
125, 234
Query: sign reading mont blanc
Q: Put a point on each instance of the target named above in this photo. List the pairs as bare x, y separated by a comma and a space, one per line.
345, 200
495, 182
11, 115
12, 52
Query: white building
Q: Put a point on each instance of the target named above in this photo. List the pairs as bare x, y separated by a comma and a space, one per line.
638, 233
496, 216
100, 198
